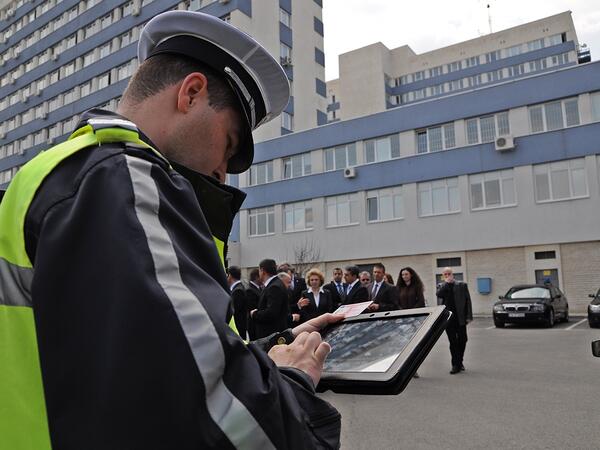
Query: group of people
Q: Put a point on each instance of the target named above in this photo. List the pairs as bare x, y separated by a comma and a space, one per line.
276, 298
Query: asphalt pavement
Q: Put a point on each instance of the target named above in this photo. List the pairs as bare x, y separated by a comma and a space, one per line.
525, 387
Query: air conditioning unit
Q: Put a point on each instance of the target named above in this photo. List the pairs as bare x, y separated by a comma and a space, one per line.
10, 12
503, 143
286, 61
349, 172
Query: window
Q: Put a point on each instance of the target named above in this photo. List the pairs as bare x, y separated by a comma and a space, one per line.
105, 50
448, 262
535, 45
382, 149
554, 115
559, 60
434, 139
454, 66
492, 56
537, 65
514, 51
69, 69
456, 85
88, 58
106, 21
556, 39
560, 180
103, 80
260, 173
285, 52
340, 157
492, 189
438, 197
384, 204
86, 89
296, 166
297, 216
435, 71
487, 128
261, 221
472, 61
418, 76
515, 71
70, 96
285, 17
595, 98
495, 75
551, 254
287, 121
341, 210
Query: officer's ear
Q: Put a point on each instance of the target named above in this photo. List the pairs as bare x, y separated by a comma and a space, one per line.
193, 90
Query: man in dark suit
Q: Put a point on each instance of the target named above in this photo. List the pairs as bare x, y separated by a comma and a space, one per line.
354, 292
252, 298
336, 287
455, 296
238, 298
383, 295
271, 316
297, 284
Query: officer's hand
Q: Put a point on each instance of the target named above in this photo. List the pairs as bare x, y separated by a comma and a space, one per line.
306, 353
317, 324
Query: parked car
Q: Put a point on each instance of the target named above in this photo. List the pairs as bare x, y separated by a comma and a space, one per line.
541, 303
594, 310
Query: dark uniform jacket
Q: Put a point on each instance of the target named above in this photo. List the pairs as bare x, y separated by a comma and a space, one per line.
252, 298
357, 294
131, 307
238, 299
462, 300
273, 310
336, 298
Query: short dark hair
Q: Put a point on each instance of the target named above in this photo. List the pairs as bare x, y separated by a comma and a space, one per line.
269, 266
253, 275
336, 268
354, 270
379, 266
164, 70
235, 272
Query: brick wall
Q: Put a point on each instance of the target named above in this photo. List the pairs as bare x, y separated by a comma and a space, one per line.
581, 273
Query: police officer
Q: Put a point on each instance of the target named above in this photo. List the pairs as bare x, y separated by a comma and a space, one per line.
114, 306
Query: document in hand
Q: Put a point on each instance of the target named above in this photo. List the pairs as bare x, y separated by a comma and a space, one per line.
352, 310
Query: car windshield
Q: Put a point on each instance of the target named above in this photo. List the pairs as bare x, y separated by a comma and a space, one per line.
529, 292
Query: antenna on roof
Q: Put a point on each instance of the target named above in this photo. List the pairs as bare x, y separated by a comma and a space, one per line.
489, 10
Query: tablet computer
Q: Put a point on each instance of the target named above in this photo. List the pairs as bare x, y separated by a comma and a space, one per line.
378, 353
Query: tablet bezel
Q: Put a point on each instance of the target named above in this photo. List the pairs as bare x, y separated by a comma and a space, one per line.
433, 314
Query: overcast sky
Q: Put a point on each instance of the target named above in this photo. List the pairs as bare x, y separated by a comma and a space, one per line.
425, 25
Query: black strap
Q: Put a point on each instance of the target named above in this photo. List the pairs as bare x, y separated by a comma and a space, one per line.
2, 192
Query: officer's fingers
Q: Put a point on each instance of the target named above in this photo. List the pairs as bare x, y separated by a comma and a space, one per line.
313, 341
322, 351
301, 338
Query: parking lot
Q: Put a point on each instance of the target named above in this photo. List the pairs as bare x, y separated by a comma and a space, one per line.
525, 387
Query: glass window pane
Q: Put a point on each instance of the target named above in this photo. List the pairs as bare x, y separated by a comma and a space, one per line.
308, 217
560, 184
472, 133
370, 150
435, 139
383, 149
288, 219
260, 173
398, 206
578, 182
343, 212
542, 187
503, 124
536, 118
261, 223
424, 202
476, 196
595, 106
508, 191
422, 142
440, 200
386, 207
287, 168
449, 135
340, 157
492, 193
307, 164
329, 159
395, 143
572, 112
297, 166
299, 219
271, 221
554, 118
331, 215
454, 199
372, 209
252, 225
351, 149
488, 129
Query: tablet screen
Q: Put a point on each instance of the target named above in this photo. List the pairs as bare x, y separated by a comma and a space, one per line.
371, 345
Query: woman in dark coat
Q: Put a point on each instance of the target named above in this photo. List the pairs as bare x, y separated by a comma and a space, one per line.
315, 300
410, 289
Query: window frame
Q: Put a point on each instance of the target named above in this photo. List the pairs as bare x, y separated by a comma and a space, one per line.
430, 188
548, 172
543, 106
351, 199
502, 176
305, 168
298, 206
254, 213
393, 192
427, 131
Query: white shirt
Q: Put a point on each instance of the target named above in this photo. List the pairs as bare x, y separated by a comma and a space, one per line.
234, 285
376, 287
317, 296
350, 286
255, 285
269, 280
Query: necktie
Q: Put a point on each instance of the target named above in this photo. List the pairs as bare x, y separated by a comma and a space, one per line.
375, 289
339, 288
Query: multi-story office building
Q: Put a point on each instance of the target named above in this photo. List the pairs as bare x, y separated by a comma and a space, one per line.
59, 58
374, 78
500, 181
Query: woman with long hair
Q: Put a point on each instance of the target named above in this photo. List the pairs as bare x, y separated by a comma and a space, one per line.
410, 289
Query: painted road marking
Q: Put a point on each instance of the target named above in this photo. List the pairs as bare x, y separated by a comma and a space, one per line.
575, 324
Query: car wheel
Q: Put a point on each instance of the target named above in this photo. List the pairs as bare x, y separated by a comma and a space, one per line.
550, 319
566, 317
498, 324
